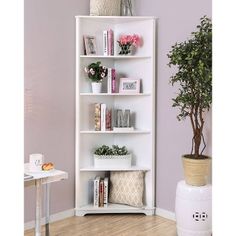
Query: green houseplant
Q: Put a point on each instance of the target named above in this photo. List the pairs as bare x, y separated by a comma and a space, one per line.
193, 59
112, 157
96, 73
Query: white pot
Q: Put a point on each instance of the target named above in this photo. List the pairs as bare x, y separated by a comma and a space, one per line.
193, 210
112, 161
96, 87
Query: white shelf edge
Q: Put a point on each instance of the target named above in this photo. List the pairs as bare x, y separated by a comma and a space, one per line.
115, 57
117, 17
132, 168
114, 94
115, 132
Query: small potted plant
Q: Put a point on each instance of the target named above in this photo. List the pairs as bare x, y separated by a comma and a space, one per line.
127, 43
96, 73
193, 59
112, 157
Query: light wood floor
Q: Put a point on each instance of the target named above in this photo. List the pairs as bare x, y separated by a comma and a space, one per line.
111, 225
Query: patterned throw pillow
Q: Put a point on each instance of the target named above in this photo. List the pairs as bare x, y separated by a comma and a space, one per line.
104, 7
126, 187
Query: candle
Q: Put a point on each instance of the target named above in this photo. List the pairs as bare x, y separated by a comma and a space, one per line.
36, 161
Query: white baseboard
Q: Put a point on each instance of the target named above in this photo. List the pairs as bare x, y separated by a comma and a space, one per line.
55, 217
166, 214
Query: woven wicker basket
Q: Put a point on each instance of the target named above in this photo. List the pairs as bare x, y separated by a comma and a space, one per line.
104, 7
196, 171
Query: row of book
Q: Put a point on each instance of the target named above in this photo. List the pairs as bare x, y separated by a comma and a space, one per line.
102, 117
108, 42
100, 192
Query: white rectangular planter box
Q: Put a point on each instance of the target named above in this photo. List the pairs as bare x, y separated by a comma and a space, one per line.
112, 161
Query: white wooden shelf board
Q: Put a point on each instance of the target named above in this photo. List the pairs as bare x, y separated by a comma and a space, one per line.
115, 57
110, 18
115, 132
114, 94
132, 168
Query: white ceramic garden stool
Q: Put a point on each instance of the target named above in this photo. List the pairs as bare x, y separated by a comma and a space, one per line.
193, 210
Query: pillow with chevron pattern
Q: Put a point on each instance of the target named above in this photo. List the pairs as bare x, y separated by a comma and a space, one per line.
127, 187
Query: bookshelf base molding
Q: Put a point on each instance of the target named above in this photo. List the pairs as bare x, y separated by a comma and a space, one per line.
113, 208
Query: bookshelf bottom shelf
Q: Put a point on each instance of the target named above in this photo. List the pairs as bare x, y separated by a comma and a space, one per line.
113, 208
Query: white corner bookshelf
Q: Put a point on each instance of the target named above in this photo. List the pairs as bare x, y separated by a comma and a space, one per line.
140, 141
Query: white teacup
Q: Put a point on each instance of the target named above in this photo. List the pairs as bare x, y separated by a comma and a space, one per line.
36, 161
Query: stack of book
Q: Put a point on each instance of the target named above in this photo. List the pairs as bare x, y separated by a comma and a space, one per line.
108, 42
100, 192
102, 117
111, 80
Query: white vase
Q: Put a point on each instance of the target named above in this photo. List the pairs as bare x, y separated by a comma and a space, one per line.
114, 161
96, 87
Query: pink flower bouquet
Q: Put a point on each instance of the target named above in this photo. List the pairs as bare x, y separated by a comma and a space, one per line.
126, 41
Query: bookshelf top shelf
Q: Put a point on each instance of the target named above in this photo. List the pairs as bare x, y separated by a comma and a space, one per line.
115, 57
116, 19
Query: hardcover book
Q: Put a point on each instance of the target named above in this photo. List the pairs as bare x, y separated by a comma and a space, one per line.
113, 74
108, 119
110, 42
96, 191
101, 193
97, 117
103, 117
105, 192
105, 43
109, 80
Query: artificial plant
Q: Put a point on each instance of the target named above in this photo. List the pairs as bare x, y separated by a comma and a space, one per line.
193, 59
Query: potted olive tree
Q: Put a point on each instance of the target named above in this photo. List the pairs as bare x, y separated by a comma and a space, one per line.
193, 59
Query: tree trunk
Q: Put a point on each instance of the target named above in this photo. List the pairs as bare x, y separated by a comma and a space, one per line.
197, 141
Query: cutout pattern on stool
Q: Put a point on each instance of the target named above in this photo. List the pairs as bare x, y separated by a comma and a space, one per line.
200, 216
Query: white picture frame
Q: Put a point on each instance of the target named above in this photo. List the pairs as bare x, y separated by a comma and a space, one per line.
90, 47
129, 86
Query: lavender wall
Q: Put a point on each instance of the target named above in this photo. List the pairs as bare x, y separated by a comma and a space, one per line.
49, 85
50, 92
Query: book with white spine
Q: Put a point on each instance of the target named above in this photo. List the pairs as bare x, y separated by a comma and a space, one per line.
96, 191
103, 117
109, 80
105, 43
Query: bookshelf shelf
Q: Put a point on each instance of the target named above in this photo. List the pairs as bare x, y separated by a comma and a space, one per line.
114, 94
115, 132
141, 141
115, 57
132, 168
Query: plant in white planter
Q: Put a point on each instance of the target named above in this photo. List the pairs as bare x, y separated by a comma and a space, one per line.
96, 73
193, 59
114, 157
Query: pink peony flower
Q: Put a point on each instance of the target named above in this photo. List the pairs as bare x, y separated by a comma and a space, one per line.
136, 40
130, 39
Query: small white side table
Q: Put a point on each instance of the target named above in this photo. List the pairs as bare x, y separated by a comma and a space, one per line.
193, 210
37, 180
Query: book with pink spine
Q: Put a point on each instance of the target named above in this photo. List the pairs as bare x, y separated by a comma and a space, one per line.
113, 79
110, 42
